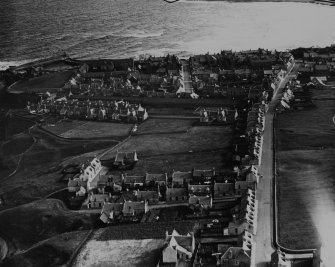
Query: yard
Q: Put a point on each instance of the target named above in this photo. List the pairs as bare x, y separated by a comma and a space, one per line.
305, 165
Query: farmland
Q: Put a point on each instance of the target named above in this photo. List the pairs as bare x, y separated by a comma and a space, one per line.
305, 153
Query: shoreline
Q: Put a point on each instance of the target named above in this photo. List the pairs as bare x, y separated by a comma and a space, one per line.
269, 1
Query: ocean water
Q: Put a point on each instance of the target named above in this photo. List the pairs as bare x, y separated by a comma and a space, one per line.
31, 29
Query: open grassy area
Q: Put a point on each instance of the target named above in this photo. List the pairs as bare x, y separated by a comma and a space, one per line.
54, 80
305, 152
55, 251
35, 177
26, 225
171, 111
115, 253
91, 129
164, 126
60, 127
200, 147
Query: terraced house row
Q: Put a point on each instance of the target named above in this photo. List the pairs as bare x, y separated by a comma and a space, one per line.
87, 110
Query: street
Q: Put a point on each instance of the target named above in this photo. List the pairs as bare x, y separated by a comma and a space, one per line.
264, 236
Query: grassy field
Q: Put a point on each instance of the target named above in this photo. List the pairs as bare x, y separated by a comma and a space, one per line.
55, 251
89, 129
200, 147
171, 111
60, 127
115, 253
93, 129
305, 164
150, 230
164, 126
54, 80
35, 177
26, 225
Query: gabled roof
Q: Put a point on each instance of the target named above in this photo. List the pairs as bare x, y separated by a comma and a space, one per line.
99, 197
120, 156
184, 241
129, 179
130, 206
199, 188
202, 200
73, 183
173, 192
157, 177
224, 187
142, 195
199, 173
236, 253
181, 176
109, 207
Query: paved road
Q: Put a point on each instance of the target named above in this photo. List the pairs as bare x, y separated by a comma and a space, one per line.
187, 77
263, 238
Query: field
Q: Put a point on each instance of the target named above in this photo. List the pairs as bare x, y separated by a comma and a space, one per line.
26, 225
152, 126
60, 127
54, 80
199, 147
89, 129
305, 165
171, 111
116, 253
55, 251
36, 174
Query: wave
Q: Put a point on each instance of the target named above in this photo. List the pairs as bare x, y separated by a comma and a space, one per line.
141, 34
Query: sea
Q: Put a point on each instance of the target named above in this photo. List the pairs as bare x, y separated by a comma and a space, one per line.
35, 29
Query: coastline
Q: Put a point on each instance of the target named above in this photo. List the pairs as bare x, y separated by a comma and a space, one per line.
320, 2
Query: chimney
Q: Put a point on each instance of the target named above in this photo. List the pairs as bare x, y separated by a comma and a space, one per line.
234, 218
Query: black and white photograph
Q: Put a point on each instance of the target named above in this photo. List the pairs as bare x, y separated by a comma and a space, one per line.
167, 133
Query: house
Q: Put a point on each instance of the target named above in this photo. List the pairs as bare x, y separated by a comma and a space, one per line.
245, 217
224, 190
96, 201
133, 181
236, 257
134, 209
176, 195
152, 197
200, 202
153, 179
73, 185
104, 181
178, 248
142, 115
243, 186
90, 173
125, 158
180, 178
199, 189
203, 176
111, 211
